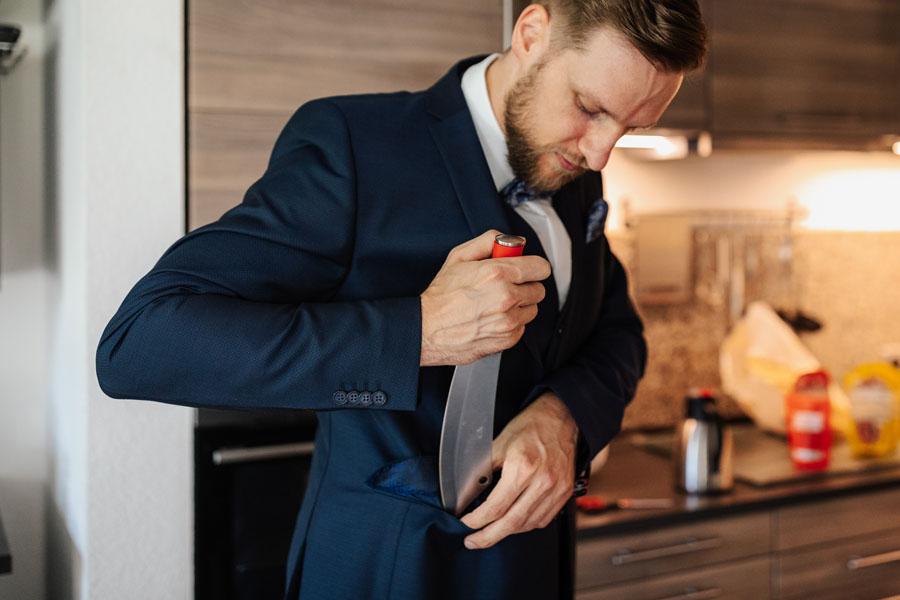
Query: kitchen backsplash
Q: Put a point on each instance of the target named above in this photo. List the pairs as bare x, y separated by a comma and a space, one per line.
850, 281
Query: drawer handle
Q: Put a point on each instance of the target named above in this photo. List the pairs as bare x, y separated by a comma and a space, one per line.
691, 594
228, 456
861, 562
624, 557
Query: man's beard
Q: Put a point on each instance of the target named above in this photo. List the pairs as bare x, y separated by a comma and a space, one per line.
523, 152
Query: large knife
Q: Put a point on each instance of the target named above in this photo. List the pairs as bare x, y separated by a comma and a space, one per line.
465, 464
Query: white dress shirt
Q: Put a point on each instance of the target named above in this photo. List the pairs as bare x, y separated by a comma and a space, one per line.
538, 213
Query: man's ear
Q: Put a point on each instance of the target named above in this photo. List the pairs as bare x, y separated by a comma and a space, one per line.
531, 35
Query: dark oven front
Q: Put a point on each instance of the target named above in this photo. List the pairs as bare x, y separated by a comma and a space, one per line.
250, 474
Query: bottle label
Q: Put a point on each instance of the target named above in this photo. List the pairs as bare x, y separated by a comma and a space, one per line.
806, 455
871, 406
808, 421
871, 402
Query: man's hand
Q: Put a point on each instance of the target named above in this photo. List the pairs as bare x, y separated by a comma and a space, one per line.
477, 307
537, 452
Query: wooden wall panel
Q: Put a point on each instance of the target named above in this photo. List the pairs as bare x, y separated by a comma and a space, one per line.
251, 63
276, 54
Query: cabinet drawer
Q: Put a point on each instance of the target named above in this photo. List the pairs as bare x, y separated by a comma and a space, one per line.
603, 561
819, 522
745, 580
862, 569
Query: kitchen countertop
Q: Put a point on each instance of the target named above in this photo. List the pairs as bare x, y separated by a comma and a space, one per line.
634, 472
5, 557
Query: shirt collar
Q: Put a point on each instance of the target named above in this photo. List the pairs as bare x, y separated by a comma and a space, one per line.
493, 142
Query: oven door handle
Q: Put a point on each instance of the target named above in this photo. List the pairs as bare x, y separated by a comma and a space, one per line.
230, 456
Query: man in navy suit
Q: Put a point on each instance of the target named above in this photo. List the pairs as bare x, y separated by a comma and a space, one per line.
351, 279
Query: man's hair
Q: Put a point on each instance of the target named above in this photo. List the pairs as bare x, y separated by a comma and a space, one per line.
669, 33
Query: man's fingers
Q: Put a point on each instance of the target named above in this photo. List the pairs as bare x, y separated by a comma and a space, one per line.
517, 269
530, 293
475, 249
508, 327
551, 508
495, 505
523, 269
519, 518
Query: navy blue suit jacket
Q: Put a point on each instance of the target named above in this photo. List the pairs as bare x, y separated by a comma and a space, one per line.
306, 296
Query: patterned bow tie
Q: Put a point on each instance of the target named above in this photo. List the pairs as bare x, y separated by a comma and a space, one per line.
516, 192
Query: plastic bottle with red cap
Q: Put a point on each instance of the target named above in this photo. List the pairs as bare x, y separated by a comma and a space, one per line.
808, 414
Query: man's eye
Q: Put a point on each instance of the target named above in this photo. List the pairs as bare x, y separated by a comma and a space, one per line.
584, 110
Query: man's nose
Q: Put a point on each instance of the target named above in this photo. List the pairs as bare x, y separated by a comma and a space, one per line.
596, 145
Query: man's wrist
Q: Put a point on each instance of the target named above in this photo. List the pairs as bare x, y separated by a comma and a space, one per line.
556, 408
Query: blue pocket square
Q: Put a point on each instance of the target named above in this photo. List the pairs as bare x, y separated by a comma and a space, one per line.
415, 478
596, 219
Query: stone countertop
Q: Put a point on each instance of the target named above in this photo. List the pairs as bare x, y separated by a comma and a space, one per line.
634, 472
5, 556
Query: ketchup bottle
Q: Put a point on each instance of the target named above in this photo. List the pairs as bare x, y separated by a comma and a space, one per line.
808, 413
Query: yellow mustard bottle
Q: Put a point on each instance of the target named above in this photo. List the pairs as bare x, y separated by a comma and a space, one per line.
874, 393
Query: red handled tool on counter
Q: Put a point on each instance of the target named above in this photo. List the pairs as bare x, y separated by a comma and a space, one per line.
465, 464
592, 503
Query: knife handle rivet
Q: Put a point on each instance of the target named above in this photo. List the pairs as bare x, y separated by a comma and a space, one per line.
483, 480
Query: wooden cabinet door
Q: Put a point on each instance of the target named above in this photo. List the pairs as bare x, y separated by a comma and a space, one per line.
603, 561
866, 568
830, 521
742, 580
806, 67
251, 63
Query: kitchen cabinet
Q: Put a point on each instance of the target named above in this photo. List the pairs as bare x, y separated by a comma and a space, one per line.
744, 580
727, 557
837, 549
866, 568
603, 561
822, 539
796, 73
806, 68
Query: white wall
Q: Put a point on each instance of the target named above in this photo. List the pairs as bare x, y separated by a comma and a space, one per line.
23, 327
126, 493
81, 222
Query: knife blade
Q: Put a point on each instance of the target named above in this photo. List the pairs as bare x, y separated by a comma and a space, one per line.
465, 463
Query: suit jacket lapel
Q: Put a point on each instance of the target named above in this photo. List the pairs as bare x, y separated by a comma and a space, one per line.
454, 133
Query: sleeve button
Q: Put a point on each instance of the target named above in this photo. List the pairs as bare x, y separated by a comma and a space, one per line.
379, 398
353, 397
339, 397
365, 398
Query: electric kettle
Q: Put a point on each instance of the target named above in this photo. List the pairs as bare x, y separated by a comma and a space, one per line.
704, 448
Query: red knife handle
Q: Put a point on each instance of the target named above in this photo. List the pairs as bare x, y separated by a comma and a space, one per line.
508, 245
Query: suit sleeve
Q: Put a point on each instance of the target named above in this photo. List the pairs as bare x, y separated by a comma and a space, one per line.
599, 381
242, 313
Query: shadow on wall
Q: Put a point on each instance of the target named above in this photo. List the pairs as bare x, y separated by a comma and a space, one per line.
51, 143
63, 559
64, 564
